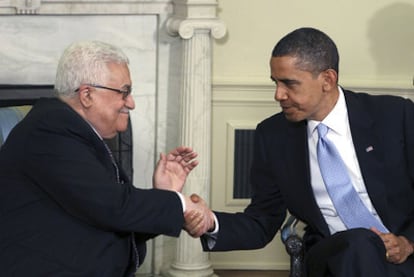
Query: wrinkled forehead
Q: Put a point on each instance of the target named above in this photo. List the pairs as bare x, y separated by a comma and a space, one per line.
118, 72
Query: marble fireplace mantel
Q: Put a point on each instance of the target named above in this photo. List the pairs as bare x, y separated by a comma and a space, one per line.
85, 7
169, 46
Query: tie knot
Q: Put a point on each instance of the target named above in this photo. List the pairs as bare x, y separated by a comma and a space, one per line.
322, 130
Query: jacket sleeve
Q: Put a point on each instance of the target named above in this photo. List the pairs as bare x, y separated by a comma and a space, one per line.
257, 225
68, 166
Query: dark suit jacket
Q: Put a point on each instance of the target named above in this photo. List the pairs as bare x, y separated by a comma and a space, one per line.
62, 212
281, 180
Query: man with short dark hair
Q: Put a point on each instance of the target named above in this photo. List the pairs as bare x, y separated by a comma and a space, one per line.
341, 162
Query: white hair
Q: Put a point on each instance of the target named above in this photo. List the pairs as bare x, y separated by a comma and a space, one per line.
85, 62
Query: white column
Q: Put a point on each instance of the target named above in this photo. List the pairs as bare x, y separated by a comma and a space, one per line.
196, 23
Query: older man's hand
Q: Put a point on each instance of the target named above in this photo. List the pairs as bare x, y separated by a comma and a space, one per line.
172, 169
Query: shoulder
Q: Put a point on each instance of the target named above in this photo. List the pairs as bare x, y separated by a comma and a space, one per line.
279, 123
277, 119
378, 105
52, 117
54, 112
375, 99
384, 109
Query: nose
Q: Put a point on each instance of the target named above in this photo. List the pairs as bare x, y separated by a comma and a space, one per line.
130, 102
280, 93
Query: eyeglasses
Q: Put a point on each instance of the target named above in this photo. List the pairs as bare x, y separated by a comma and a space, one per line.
125, 92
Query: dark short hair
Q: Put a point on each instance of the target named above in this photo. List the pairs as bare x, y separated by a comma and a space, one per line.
315, 50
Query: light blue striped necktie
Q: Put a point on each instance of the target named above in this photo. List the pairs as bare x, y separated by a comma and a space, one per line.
345, 198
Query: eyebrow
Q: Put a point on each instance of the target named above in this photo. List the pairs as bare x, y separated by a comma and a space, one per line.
285, 81
129, 87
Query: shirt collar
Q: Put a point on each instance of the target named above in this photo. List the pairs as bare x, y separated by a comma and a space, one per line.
336, 120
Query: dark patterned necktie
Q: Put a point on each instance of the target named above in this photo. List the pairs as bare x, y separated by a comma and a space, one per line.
118, 179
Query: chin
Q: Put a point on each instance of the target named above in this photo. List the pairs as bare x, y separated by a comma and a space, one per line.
122, 126
122, 129
110, 136
293, 118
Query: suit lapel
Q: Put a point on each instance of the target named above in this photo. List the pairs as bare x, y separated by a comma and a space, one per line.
369, 154
297, 156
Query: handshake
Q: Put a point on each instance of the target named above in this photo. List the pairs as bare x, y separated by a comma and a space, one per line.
199, 219
170, 174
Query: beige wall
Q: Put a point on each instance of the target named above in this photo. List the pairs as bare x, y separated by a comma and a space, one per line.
375, 39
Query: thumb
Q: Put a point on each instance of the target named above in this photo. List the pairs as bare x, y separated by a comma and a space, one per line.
162, 157
375, 230
162, 161
195, 198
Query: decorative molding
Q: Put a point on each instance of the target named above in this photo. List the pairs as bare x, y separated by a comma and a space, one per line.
364, 84
195, 8
250, 265
90, 7
190, 15
236, 94
21, 6
241, 95
185, 28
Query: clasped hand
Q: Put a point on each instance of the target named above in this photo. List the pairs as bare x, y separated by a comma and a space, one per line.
398, 248
199, 219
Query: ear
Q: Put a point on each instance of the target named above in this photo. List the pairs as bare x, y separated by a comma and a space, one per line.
84, 96
330, 79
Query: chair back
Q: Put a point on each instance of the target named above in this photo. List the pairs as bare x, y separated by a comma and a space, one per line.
9, 117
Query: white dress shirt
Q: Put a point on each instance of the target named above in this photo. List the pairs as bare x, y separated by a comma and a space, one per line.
340, 134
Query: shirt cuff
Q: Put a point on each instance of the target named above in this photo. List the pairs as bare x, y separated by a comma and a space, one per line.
182, 200
211, 237
216, 226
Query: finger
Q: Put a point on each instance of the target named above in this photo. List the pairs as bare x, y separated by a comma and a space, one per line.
192, 224
182, 153
195, 230
189, 156
390, 241
186, 153
189, 215
193, 164
375, 230
193, 227
172, 157
192, 214
181, 150
189, 167
163, 158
